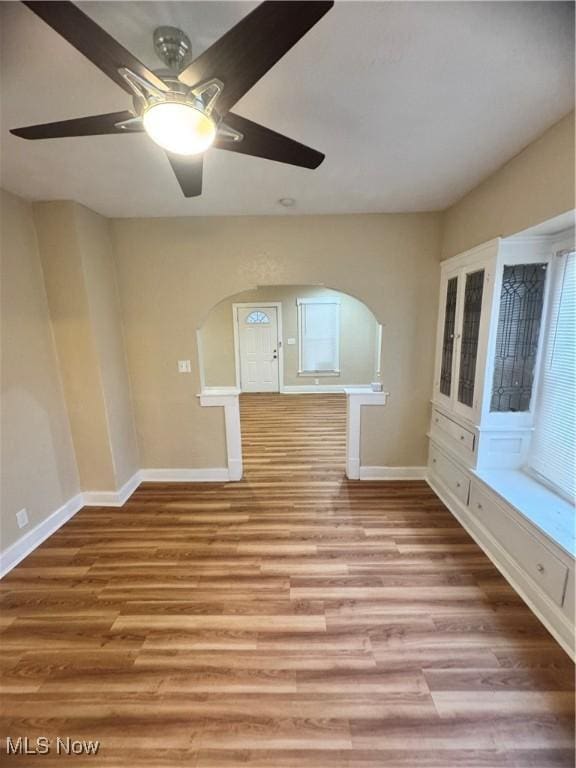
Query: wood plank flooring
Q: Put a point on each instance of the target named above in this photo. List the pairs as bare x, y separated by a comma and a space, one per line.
293, 620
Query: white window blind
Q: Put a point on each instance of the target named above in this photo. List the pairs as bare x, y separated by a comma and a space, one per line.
319, 332
553, 451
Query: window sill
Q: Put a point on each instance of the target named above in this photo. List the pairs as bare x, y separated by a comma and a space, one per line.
318, 374
549, 512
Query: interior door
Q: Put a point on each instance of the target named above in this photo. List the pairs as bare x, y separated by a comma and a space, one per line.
258, 349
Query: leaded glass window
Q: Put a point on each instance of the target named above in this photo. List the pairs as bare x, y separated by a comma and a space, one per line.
257, 318
470, 332
448, 337
517, 333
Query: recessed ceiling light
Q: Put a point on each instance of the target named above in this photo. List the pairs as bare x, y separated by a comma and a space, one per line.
287, 202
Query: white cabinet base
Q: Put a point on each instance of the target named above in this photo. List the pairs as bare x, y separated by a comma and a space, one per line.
554, 618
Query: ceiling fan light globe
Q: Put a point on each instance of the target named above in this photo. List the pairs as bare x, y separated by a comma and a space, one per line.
179, 128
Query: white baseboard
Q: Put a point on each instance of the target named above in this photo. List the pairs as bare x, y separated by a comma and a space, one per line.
235, 469
393, 473
538, 601
15, 553
129, 487
208, 475
303, 389
113, 498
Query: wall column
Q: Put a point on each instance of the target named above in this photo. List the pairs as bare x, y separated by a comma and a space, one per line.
79, 273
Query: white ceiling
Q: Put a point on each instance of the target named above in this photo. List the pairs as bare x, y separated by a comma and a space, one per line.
412, 102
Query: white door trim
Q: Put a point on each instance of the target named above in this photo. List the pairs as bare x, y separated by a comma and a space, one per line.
256, 305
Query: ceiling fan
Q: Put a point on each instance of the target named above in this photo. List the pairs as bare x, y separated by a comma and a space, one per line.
186, 107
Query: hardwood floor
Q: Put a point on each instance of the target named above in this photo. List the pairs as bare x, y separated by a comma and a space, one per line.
293, 620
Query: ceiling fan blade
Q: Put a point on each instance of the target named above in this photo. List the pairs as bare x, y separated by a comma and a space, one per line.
95, 125
247, 51
263, 142
91, 40
188, 171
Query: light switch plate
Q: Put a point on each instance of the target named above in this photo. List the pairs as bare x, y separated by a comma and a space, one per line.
184, 366
290, 341
22, 518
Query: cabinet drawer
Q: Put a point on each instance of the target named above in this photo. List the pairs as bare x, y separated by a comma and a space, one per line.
460, 434
533, 556
454, 478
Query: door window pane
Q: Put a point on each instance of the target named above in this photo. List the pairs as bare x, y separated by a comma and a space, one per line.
448, 337
470, 332
257, 318
518, 330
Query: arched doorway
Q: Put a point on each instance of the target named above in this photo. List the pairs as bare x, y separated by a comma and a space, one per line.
260, 347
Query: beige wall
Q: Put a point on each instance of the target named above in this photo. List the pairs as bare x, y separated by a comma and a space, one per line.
38, 465
358, 337
536, 185
79, 272
173, 271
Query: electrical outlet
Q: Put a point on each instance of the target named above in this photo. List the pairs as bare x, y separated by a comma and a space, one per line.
184, 366
22, 518
316, 381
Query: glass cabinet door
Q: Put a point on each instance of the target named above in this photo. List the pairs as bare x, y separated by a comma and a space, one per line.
517, 335
448, 337
471, 317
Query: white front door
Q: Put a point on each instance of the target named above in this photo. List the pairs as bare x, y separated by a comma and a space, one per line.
258, 352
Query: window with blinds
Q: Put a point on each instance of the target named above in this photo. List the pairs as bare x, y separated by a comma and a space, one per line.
553, 450
319, 334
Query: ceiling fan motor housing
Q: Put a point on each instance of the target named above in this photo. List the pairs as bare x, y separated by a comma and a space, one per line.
173, 47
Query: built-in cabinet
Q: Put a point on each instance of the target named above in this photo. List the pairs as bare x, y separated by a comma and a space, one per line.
492, 308
492, 303
466, 297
